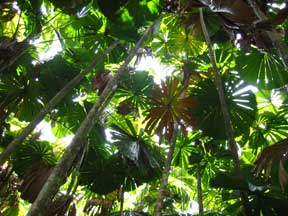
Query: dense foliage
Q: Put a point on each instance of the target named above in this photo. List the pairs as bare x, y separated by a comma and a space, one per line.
164, 102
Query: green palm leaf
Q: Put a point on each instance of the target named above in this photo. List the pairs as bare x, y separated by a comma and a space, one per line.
135, 88
31, 153
136, 147
241, 102
267, 70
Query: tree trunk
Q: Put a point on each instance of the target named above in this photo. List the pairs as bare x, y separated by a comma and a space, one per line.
51, 104
199, 190
166, 171
61, 170
226, 117
122, 191
165, 174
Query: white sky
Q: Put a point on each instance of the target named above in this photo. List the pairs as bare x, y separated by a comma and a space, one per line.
47, 134
160, 71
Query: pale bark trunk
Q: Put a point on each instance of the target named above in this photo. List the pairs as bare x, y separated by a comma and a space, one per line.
168, 162
61, 170
226, 116
165, 174
199, 190
51, 104
122, 190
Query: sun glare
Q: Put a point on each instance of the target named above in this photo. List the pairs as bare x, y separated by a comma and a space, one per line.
54, 49
276, 99
278, 5
246, 89
49, 53
47, 134
159, 71
16, 7
108, 135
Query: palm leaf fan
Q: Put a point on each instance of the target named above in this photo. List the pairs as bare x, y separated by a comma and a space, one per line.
267, 70
186, 152
268, 126
94, 172
271, 155
240, 99
54, 75
102, 174
169, 105
135, 88
144, 162
33, 162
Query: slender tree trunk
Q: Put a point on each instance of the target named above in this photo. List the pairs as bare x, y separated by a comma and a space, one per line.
199, 190
166, 171
60, 172
226, 116
122, 191
165, 174
277, 40
51, 104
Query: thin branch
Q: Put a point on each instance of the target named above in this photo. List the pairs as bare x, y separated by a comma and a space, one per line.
199, 189
226, 114
222, 98
17, 27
